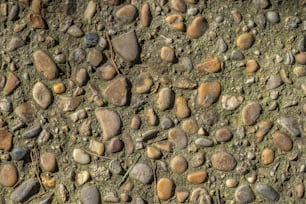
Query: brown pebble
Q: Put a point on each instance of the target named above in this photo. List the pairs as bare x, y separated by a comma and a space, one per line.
223, 161
181, 196
301, 58
176, 22
250, 113
263, 128
11, 84
182, 109
94, 57
59, 88
212, 65
282, 141
165, 99
143, 83
190, 126
208, 93
236, 16
197, 177
223, 135
178, 5
197, 27
135, 122
36, 21
300, 190
126, 14
128, 144
304, 108
48, 161
42, 95
48, 180
106, 72
167, 54
178, 137
45, 64
245, 41
145, 15
151, 116
163, 145
8, 175
153, 153
179, 164
299, 71
251, 66
96, 147
116, 92
6, 140
267, 156
165, 188
198, 159
231, 183
124, 197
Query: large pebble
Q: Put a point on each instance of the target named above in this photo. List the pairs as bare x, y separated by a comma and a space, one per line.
25, 190
94, 57
42, 95
8, 175
178, 5
223, 134
208, 93
11, 84
90, 195
109, 121
290, 124
179, 164
211, 65
244, 194
116, 92
198, 159
80, 156
66, 103
18, 153
250, 113
45, 64
282, 141
165, 188
48, 161
15, 43
142, 172
197, 177
6, 140
126, 46
165, 99
126, 14
178, 137
267, 192
231, 102
245, 41
223, 161
197, 27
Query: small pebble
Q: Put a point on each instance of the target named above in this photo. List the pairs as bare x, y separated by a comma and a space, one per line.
80, 156
48, 161
198, 159
145, 15
197, 28
179, 164
251, 66
75, 31
18, 153
182, 109
231, 102
165, 188
11, 84
267, 156
115, 145
190, 126
250, 113
300, 190
94, 57
244, 194
143, 83
142, 172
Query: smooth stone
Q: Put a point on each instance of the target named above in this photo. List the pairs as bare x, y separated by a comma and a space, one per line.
208, 93
251, 66
211, 64
244, 194
182, 110
15, 43
59, 88
67, 104
185, 84
145, 14
299, 71
91, 40
18, 153
47, 199
94, 57
127, 13
90, 195
178, 5
129, 146
82, 177
115, 167
153, 153
109, 121
263, 128
197, 177
2, 81
231, 102
6, 140
222, 45
75, 31
110, 197
236, 55
42, 95
203, 142
267, 156
181, 195
231, 183
151, 116
96, 147
11, 84
273, 17
267, 192
178, 138
166, 123
81, 76
142, 173
8, 175
43, 137
290, 124
197, 28
90, 11
25, 190
32, 132
77, 56
167, 54
176, 22
223, 134
179, 164
80, 156
198, 159
143, 83
116, 92
245, 41
300, 190
250, 113
48, 161
115, 145
25, 112
165, 188
302, 44
13, 13
282, 141
273, 82
186, 62
165, 99
106, 72
223, 161
301, 58
126, 46
45, 64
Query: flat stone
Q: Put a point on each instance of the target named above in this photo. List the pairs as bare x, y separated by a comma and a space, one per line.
42, 95
8, 175
15, 43
178, 138
244, 194
282, 141
165, 188
106, 72
115, 145
250, 113
167, 54
25, 112
263, 128
182, 110
109, 121
176, 22
90, 195
231, 102
11, 84
274, 82
197, 177
179, 164
198, 159
178, 5
142, 172
94, 57
197, 28
66, 103
48, 161
143, 83
45, 64
25, 190
211, 65
267, 192
127, 13
190, 126
208, 93
96, 147
203, 142
6, 140
223, 135
75, 31
116, 92
18, 153
245, 41
80, 156
223, 161
145, 14
290, 124
165, 99
267, 156
126, 46
32, 132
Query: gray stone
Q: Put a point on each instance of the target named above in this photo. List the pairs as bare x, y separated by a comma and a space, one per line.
126, 46
18, 153
244, 194
91, 40
302, 44
25, 190
273, 17
237, 55
166, 123
204, 142
274, 82
15, 43
142, 172
267, 192
47, 199
261, 4
6, 106
66, 103
222, 45
90, 195
32, 132
290, 124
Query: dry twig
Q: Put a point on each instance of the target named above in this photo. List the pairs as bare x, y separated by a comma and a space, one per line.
35, 162
128, 171
112, 53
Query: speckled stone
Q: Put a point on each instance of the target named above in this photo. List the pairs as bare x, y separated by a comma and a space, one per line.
8, 175
96, 147
223, 161
48, 161
165, 188
197, 160
90, 195
142, 172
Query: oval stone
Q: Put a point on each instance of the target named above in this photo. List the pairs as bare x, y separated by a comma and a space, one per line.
45, 64
42, 95
282, 141
208, 93
250, 113
223, 161
165, 188
8, 175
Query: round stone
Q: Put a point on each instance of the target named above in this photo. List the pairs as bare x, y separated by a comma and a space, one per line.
208, 93
59, 88
42, 95
91, 40
126, 14
179, 164
90, 195
231, 183
197, 28
167, 54
153, 153
142, 172
75, 31
45, 64
94, 57
178, 137
106, 72
223, 161
301, 58
244, 194
251, 66
165, 188
48, 161
245, 41
197, 177
115, 145
178, 5
267, 156
190, 126
300, 190
8, 175
273, 17
250, 113
223, 135
80, 156
282, 141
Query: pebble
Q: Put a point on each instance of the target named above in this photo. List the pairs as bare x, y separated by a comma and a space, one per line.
290, 124
48, 180
223, 135
203, 142
178, 164
143, 83
6, 140
13, 13
245, 41
267, 156
94, 57
116, 92
37, 21
236, 55
115, 145
42, 95
75, 31
8, 175
185, 84
47, 199
197, 177
81, 76
299, 71
223, 161
197, 28
153, 153
167, 54
45, 64
300, 190
178, 5
208, 93
211, 65
90, 11
15, 43
165, 99
67, 104
25, 112
178, 138
231, 183
115, 167
198, 159
6, 106
181, 195
145, 15
263, 128
182, 109
273, 17
80, 156
90, 195
176, 22
166, 123
77, 56
82, 177
190, 126
244, 194
126, 46
301, 58
48, 161
267, 192
142, 173
151, 116
222, 45
274, 81
200, 195
231, 102
25, 190
251, 66
11, 84
282, 141
106, 72
32, 132
126, 14
236, 16
109, 121
96, 147
302, 44
261, 4
250, 113
18, 153
165, 188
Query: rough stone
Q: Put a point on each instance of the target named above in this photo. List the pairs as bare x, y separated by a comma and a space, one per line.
178, 137
142, 172
223, 161
244, 194
6, 140
126, 46
116, 92
109, 121
90, 195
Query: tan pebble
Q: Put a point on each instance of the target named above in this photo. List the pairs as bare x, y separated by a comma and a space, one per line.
128, 186
48, 180
245, 41
151, 116
185, 84
36, 21
164, 188
11, 84
223, 135
231, 183
208, 93
128, 144
176, 22
18, 27
264, 127
25, 112
6, 140
179, 164
182, 109
197, 177
212, 65
164, 146
90, 11
59, 88
36, 6
299, 71
282, 141
82, 177
267, 156
135, 122
8, 175
285, 76
127, 13
178, 5
250, 113
75, 31
94, 57
236, 16
300, 190
301, 58
124, 197
198, 159
190, 126
143, 83
45, 64
106, 72
153, 153
167, 54
165, 99
223, 161
181, 196
145, 15
251, 66
81, 76
197, 27
110, 122
42, 95
116, 91
96, 147
178, 137
48, 161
